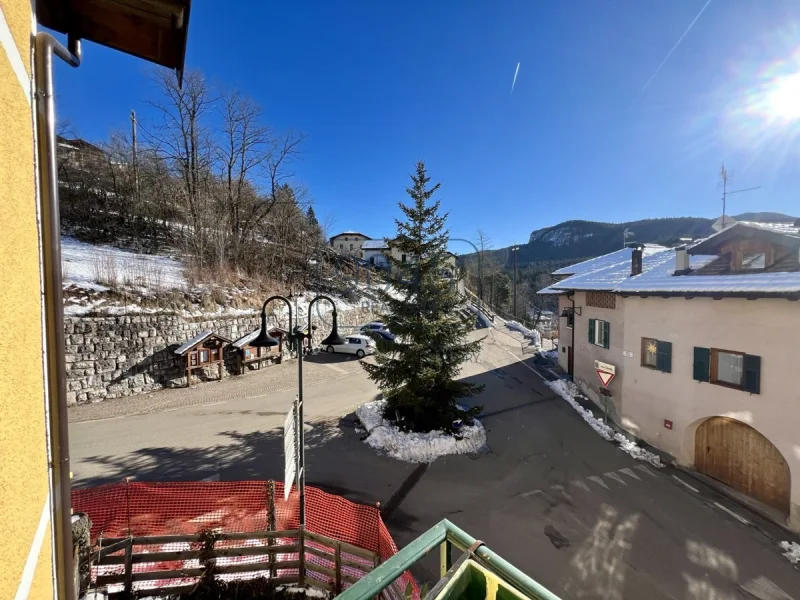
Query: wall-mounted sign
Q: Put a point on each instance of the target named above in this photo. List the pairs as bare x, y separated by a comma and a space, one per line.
605, 371
667, 424
627, 354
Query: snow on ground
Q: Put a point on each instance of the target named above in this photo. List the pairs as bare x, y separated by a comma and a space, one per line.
569, 391
83, 264
792, 552
551, 354
531, 334
416, 447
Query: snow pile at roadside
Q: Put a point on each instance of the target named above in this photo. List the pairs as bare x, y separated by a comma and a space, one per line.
531, 334
551, 354
416, 447
792, 553
568, 391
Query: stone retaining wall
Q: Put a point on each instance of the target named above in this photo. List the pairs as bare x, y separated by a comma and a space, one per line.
115, 356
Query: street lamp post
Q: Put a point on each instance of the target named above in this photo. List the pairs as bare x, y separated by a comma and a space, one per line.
296, 335
515, 249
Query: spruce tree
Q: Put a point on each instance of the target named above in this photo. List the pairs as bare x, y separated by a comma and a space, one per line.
417, 374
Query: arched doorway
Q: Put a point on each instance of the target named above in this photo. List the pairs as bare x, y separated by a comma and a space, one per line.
739, 456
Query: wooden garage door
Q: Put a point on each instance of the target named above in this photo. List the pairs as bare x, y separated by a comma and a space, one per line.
739, 456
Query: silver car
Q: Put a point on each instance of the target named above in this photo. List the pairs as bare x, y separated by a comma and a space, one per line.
360, 345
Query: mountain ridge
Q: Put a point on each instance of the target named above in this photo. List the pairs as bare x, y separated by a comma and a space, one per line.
580, 239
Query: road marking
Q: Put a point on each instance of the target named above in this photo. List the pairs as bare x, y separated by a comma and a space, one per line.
597, 480
764, 589
531, 493
613, 475
335, 368
645, 469
738, 517
682, 482
630, 473
560, 488
581, 484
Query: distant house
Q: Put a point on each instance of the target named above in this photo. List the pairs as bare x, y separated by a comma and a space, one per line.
704, 343
375, 252
349, 243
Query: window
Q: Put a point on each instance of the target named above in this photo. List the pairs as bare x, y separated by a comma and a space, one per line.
599, 333
657, 355
403, 258
570, 318
193, 359
351, 246
203, 356
353, 341
728, 368
757, 260
341, 246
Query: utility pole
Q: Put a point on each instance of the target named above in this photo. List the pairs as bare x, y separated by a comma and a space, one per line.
515, 249
135, 161
723, 174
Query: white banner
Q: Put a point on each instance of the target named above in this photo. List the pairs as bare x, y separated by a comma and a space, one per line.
289, 451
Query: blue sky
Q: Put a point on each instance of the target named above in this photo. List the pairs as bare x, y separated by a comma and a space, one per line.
378, 85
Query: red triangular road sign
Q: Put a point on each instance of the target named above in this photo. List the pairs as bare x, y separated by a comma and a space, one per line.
605, 377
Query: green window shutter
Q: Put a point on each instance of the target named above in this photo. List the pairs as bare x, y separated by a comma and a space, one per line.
607, 332
702, 363
591, 331
664, 357
752, 374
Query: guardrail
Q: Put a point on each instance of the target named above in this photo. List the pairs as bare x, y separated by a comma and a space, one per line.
444, 536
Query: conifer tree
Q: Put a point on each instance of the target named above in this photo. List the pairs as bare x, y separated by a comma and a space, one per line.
418, 373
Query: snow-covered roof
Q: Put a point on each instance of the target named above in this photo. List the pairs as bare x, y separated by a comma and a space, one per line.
611, 271
375, 245
658, 273
599, 262
246, 339
787, 228
186, 346
350, 233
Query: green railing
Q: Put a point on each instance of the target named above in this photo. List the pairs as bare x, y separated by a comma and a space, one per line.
445, 536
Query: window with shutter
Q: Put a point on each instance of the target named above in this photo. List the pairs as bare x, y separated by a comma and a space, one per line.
701, 363
664, 358
606, 334
591, 330
752, 374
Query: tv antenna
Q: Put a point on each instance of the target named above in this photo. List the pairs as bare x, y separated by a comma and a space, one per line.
723, 174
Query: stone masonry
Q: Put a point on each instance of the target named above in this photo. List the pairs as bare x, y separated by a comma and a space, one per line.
114, 356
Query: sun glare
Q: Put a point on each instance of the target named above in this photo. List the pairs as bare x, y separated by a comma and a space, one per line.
783, 100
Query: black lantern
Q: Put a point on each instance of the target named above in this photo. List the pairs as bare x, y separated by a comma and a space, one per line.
264, 339
334, 339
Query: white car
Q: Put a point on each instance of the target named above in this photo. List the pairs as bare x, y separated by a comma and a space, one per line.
360, 345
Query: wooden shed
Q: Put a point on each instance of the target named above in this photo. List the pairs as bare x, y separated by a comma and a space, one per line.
203, 350
247, 354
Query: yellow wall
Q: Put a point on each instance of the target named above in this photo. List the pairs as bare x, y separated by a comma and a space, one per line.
23, 467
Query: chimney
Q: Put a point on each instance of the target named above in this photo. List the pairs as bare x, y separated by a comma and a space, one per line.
681, 260
636, 260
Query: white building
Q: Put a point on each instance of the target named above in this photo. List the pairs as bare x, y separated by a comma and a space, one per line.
349, 243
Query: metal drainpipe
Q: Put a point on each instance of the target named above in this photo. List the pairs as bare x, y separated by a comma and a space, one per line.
571, 296
57, 423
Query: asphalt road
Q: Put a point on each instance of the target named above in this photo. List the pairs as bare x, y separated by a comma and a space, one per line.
570, 509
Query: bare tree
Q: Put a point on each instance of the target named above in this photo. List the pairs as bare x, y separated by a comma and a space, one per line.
182, 136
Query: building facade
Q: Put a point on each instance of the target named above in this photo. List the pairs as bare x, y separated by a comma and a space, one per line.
36, 550
349, 243
702, 341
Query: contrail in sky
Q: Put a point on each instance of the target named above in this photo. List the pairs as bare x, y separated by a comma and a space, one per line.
516, 72
666, 58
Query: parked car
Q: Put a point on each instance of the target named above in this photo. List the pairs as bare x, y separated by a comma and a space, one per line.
360, 345
374, 326
382, 338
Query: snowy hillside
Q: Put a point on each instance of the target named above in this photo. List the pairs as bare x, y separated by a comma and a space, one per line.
108, 280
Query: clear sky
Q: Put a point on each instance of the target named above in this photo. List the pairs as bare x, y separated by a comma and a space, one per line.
377, 85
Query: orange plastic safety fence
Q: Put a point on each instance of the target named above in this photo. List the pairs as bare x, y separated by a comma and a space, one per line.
141, 509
